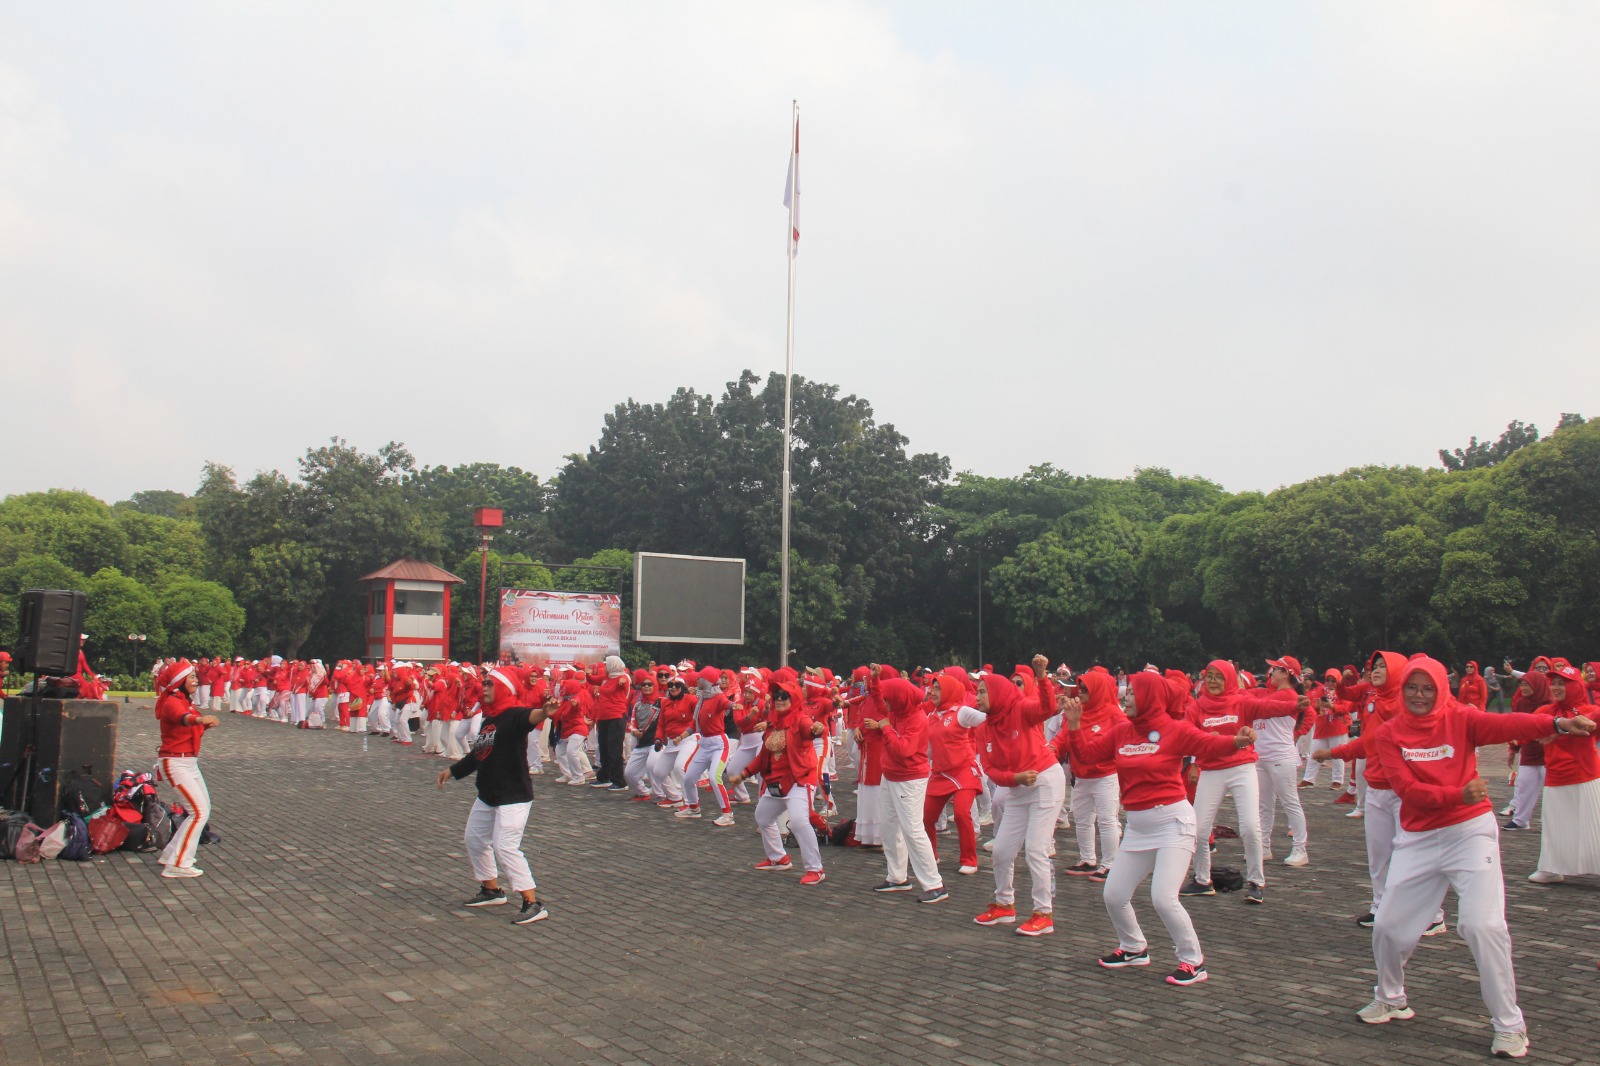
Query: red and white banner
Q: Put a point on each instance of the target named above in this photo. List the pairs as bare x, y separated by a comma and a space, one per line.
560, 628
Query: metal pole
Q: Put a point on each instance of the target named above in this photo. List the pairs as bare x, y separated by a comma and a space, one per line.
483, 585
788, 390
980, 608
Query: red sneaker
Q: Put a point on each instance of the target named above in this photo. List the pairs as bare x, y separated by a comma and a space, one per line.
1348, 797
1037, 925
638, 799
813, 877
997, 914
782, 864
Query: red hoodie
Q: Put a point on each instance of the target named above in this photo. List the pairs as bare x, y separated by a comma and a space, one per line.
1149, 748
1225, 715
1474, 690
953, 747
1383, 703
610, 697
905, 731
1101, 711
1571, 760
1429, 758
1013, 732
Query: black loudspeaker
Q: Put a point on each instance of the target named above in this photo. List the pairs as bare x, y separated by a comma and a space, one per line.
50, 631
70, 738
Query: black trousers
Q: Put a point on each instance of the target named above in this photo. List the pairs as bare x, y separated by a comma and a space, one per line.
609, 742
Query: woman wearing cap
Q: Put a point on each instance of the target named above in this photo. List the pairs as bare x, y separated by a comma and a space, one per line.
182, 729
499, 815
1276, 762
1569, 835
674, 730
1448, 840
750, 716
788, 768
1149, 746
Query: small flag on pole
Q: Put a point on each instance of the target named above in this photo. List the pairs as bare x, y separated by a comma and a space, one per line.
791, 193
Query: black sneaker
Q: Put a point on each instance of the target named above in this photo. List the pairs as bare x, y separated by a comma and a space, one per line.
534, 911
1187, 974
1367, 920
616, 788
1100, 874
894, 886
1252, 893
488, 897
1197, 888
1119, 958
1512, 827
934, 895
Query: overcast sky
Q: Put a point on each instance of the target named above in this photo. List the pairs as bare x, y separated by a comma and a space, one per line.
1256, 242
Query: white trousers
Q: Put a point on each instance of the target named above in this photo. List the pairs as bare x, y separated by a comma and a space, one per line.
1166, 868
494, 843
202, 697
1525, 797
382, 711
1360, 778
259, 697
1029, 819
1277, 782
904, 834
797, 806
535, 743
301, 704
637, 770
742, 756
1382, 826
453, 733
704, 755
1094, 805
575, 765
1464, 857
1314, 768
666, 783
184, 775
1241, 781
433, 734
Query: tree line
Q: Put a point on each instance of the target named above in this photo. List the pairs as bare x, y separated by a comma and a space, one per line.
893, 557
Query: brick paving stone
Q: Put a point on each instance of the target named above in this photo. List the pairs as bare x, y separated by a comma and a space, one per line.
328, 929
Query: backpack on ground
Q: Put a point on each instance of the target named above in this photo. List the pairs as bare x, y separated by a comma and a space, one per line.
82, 795
157, 825
29, 843
1227, 879
77, 849
11, 832
107, 832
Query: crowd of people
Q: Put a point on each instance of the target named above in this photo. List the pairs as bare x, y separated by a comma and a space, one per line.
1138, 763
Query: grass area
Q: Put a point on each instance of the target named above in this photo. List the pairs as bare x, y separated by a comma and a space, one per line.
135, 695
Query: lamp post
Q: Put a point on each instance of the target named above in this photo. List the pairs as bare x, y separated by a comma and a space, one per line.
136, 639
485, 518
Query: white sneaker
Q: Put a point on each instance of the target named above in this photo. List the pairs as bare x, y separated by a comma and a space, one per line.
984, 819
967, 870
688, 812
1357, 813
1436, 928
988, 845
1297, 857
181, 871
1509, 1045
1266, 854
1543, 877
1376, 1013
724, 820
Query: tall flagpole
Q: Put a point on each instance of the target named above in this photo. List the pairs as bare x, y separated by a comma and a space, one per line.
788, 381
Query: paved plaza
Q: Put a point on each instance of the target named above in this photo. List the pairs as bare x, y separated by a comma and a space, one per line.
328, 929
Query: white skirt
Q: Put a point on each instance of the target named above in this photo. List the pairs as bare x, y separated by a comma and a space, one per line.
1569, 834
869, 822
1171, 825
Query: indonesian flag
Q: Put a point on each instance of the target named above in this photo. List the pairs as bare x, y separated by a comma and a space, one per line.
791, 193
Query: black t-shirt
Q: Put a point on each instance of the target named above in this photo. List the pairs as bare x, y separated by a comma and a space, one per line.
499, 756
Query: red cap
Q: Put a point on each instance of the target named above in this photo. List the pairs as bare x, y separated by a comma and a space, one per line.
1288, 662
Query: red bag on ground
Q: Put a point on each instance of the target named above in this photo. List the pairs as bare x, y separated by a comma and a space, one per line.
107, 832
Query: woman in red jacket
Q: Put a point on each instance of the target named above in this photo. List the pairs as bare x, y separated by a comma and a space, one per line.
1016, 757
1330, 728
1474, 692
1095, 796
954, 774
575, 721
905, 789
788, 768
1448, 840
182, 729
1149, 747
1569, 834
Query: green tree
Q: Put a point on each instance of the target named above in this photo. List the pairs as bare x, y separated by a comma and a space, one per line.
117, 607
31, 572
74, 528
162, 548
162, 503
1477, 455
201, 617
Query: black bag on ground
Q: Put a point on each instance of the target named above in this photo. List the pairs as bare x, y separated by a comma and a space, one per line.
77, 849
82, 795
1226, 879
157, 824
